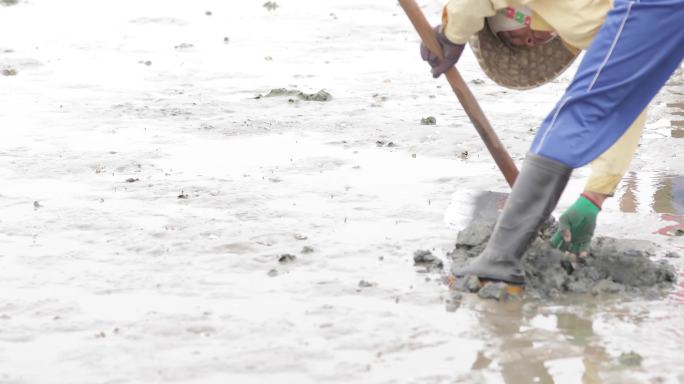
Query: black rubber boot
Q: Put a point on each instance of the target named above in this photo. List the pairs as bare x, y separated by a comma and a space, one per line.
534, 196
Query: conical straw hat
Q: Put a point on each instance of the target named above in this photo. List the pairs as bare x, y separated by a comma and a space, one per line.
520, 68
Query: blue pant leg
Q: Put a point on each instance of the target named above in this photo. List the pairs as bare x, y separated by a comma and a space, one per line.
632, 56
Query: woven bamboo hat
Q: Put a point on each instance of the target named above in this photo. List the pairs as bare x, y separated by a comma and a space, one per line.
518, 67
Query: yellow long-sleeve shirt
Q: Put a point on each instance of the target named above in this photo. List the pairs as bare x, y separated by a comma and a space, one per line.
576, 22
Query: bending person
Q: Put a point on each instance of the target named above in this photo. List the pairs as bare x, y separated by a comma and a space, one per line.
522, 47
637, 49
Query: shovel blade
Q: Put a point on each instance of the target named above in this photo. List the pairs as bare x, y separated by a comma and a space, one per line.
488, 205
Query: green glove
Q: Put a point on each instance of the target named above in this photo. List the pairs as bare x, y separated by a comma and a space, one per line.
576, 227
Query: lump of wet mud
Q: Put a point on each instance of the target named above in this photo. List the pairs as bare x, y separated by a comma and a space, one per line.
630, 359
426, 258
184, 46
614, 266
286, 258
383, 143
472, 283
672, 255
495, 291
321, 95
430, 120
477, 233
271, 5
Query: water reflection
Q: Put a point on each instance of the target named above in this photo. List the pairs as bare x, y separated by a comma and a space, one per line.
677, 111
580, 332
513, 356
652, 193
655, 193
528, 350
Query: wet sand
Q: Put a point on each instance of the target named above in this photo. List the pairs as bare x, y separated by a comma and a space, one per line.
148, 198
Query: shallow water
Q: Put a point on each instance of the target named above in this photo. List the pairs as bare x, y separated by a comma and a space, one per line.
678, 119
656, 192
105, 280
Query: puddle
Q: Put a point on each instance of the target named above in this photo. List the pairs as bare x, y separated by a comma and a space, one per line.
652, 192
677, 111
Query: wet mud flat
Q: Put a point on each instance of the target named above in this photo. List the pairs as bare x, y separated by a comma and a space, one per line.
621, 267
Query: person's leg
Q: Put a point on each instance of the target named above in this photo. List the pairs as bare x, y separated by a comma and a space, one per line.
535, 193
634, 53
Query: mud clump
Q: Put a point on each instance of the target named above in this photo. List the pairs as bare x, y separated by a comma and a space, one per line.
427, 259
286, 258
383, 143
614, 266
430, 120
496, 291
271, 5
318, 96
630, 359
184, 46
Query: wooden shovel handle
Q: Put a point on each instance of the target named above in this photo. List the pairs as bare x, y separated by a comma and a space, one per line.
465, 97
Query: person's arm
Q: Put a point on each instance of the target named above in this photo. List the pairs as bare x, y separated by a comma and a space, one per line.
463, 18
460, 20
577, 223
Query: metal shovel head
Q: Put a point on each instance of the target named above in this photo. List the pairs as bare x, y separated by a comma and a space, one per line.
488, 205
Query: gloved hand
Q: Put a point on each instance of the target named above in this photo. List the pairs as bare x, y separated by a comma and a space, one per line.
452, 52
576, 227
